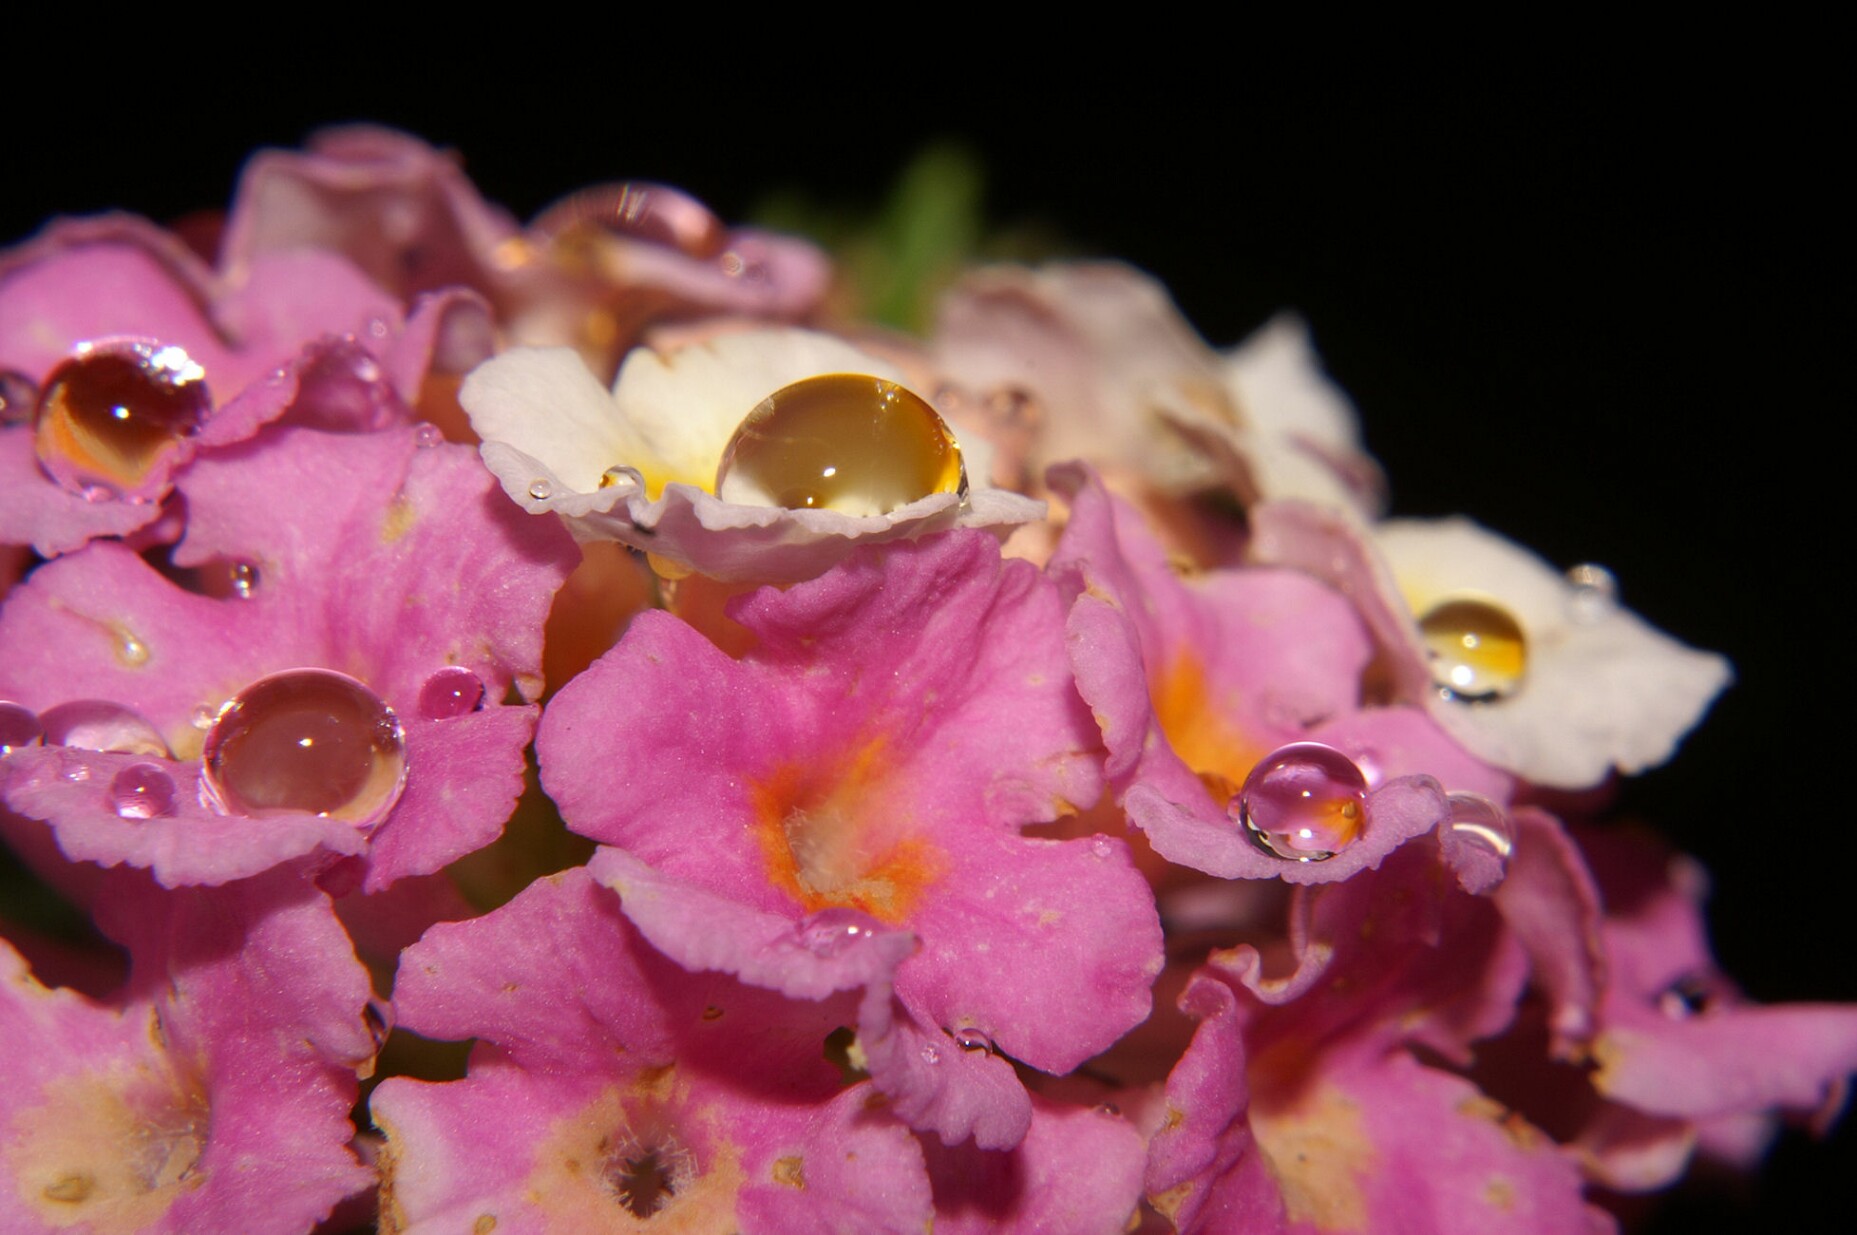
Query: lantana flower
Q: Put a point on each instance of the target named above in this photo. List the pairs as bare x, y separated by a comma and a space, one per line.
302, 333
1565, 684
896, 725
640, 464
413, 580
210, 1096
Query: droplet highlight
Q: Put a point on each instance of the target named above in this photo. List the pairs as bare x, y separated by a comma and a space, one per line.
309, 740
19, 727
142, 791
428, 435
1592, 593
970, 1039
1477, 649
829, 932
452, 691
113, 420
19, 397
540, 490
98, 724
1304, 802
847, 442
1477, 819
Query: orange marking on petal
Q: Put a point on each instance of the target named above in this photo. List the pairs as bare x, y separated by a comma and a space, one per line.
1201, 728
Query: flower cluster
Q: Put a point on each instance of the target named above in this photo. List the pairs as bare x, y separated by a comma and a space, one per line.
1007, 780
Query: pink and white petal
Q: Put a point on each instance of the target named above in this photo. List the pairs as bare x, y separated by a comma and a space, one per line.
837, 1168
1737, 1060
71, 790
1551, 904
1077, 1172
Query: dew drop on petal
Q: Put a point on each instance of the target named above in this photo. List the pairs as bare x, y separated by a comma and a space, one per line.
1109, 1108
1304, 802
452, 691
930, 1054
1479, 820
97, 724
848, 442
829, 932
970, 1039
19, 727
540, 490
309, 740
19, 397
1477, 649
1592, 593
111, 419
1691, 995
428, 435
142, 791
1101, 846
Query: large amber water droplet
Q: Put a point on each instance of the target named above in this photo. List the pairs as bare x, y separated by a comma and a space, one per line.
306, 740
1478, 651
848, 442
112, 419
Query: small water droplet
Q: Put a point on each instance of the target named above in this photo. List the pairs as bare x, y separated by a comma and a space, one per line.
1101, 846
142, 791
242, 577
377, 327
830, 931
540, 490
76, 772
97, 724
366, 368
1304, 802
19, 727
738, 265
452, 691
1693, 994
970, 1039
843, 441
636, 210
19, 396
1592, 593
616, 476
309, 740
930, 1054
1484, 823
114, 418
1477, 649
203, 716
1108, 1108
428, 435
379, 1023
131, 650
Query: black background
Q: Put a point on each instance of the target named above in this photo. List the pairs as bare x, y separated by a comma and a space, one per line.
1609, 317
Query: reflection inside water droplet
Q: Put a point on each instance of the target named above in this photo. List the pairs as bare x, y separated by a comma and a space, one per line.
830, 931
142, 791
97, 724
540, 490
1479, 820
19, 397
1304, 802
19, 727
309, 740
428, 435
847, 442
1477, 649
1592, 593
113, 419
970, 1039
452, 691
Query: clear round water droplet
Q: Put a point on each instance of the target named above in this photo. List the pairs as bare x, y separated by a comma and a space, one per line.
1693, 994
930, 1053
1304, 802
1592, 593
19, 397
830, 931
634, 209
848, 442
130, 649
19, 727
1101, 846
203, 716
98, 724
1477, 819
310, 740
112, 420
452, 691
1108, 1108
970, 1039
540, 490
428, 435
142, 791
1477, 649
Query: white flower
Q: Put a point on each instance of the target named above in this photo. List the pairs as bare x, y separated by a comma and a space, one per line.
638, 464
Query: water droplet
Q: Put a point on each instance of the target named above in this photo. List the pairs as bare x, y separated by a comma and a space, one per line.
19, 727
97, 724
114, 418
830, 931
242, 577
377, 327
305, 740
428, 435
970, 1039
1592, 594
738, 265
130, 649
1478, 651
635, 209
452, 691
221, 579
616, 476
76, 772
1691, 995
1101, 846
930, 1054
19, 397
540, 490
844, 441
1304, 802
1108, 1108
203, 716
1481, 821
142, 791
